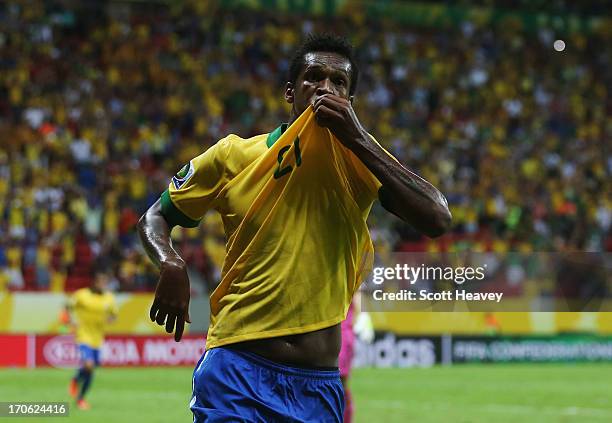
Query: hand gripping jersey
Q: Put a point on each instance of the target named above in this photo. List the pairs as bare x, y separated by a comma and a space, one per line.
294, 205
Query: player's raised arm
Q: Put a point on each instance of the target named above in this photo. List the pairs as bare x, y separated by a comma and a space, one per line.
403, 192
406, 194
171, 303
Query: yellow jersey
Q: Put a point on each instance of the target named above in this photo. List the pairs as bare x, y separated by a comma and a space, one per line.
92, 312
294, 205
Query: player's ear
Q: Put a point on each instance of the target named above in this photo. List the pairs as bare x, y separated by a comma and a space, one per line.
289, 93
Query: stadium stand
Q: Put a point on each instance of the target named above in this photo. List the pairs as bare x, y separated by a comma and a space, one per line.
98, 111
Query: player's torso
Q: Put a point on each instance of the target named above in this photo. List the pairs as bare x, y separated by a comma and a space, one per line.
237, 198
294, 210
92, 311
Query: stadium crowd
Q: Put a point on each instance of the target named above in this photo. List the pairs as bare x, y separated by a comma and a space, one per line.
98, 110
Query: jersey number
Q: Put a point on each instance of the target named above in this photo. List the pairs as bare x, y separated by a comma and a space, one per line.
280, 172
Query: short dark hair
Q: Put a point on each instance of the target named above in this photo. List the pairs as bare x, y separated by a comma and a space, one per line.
328, 43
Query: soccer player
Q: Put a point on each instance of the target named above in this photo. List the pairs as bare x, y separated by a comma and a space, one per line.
294, 204
93, 308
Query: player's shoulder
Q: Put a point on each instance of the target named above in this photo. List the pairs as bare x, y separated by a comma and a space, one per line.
236, 147
231, 143
230, 153
236, 140
80, 292
78, 296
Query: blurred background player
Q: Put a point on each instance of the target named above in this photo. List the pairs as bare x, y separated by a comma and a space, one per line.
362, 327
91, 309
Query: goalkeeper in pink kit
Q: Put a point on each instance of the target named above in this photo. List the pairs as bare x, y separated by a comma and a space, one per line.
362, 327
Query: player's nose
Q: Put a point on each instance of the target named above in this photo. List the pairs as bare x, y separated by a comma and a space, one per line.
325, 87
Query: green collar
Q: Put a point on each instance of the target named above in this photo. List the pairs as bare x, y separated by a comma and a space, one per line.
276, 134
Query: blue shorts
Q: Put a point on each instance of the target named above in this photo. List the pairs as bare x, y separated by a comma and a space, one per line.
88, 353
238, 386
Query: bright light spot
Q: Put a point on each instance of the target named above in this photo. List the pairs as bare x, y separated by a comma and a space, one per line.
559, 45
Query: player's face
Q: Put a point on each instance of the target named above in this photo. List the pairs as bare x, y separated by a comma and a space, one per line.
322, 73
101, 282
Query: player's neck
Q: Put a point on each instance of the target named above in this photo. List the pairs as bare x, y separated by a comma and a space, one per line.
293, 115
292, 118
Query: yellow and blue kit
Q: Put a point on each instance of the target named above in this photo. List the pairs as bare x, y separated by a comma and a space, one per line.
294, 205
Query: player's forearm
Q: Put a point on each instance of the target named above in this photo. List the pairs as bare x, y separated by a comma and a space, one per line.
154, 233
403, 192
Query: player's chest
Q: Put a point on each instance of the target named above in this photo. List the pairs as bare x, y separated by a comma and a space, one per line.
288, 174
94, 304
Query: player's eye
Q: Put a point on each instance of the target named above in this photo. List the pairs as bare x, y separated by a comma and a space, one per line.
340, 82
316, 75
